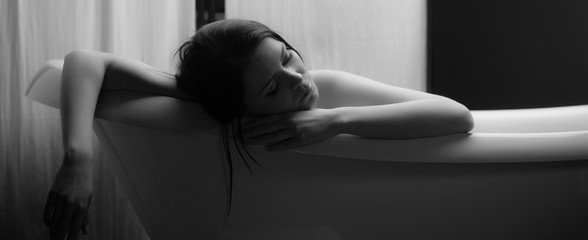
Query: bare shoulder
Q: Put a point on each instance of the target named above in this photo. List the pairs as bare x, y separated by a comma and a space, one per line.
339, 88
326, 78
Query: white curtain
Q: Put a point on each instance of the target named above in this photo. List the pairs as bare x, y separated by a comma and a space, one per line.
33, 31
381, 39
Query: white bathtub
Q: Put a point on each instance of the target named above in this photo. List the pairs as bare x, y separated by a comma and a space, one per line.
520, 174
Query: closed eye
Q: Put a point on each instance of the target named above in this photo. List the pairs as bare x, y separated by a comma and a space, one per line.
288, 57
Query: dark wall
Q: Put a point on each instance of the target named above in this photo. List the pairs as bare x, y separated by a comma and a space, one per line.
504, 54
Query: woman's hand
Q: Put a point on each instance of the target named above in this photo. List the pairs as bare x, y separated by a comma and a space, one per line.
66, 209
292, 129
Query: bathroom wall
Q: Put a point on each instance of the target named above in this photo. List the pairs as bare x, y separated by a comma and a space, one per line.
509, 54
381, 39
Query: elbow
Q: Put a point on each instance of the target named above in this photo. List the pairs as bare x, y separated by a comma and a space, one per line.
464, 119
468, 123
76, 59
86, 63
88, 57
77, 56
459, 117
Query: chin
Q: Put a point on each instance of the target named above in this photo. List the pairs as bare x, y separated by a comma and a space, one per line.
313, 99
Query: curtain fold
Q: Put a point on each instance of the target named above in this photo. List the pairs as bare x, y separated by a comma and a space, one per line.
34, 31
381, 39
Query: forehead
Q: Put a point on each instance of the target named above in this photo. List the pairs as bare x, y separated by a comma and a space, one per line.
263, 63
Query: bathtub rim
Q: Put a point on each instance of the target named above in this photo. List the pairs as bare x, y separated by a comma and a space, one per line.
473, 147
457, 148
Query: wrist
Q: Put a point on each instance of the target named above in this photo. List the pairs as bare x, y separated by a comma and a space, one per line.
76, 155
339, 120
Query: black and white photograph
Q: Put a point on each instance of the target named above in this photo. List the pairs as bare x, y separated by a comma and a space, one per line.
293, 119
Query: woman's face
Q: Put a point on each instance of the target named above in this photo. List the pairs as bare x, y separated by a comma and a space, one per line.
276, 80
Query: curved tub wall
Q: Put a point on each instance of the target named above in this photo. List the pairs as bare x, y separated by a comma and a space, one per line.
174, 182
495, 183
336, 198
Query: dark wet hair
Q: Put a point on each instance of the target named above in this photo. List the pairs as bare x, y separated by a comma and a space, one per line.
211, 66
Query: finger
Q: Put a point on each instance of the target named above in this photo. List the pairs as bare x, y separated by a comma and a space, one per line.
56, 214
85, 223
269, 127
76, 224
86, 218
49, 207
274, 137
64, 221
285, 145
263, 130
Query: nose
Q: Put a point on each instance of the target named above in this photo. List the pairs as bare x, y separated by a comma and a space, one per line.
293, 79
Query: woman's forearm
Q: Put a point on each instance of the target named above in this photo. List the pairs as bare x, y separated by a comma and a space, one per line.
82, 78
418, 118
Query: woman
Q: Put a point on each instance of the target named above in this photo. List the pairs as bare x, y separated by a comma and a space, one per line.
256, 85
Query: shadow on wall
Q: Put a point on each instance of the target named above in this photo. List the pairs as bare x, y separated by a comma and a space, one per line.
504, 54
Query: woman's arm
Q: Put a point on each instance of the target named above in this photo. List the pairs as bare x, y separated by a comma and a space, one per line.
368, 108
84, 75
66, 209
412, 119
81, 81
356, 105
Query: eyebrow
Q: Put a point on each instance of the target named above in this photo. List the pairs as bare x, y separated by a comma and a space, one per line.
274, 75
